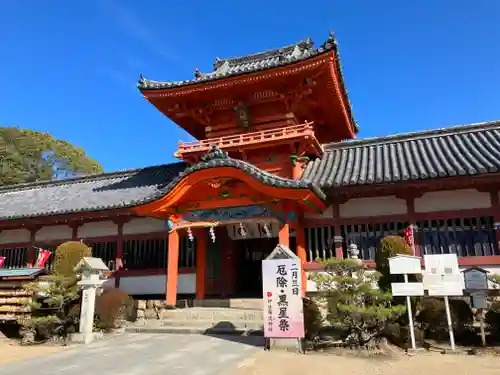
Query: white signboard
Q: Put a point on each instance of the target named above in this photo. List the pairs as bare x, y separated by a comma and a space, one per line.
442, 275
407, 289
444, 285
405, 264
283, 311
441, 264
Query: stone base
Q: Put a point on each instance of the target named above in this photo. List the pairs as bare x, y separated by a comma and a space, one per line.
80, 337
289, 345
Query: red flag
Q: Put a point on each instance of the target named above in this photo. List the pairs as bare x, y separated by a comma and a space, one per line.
2, 261
43, 256
409, 238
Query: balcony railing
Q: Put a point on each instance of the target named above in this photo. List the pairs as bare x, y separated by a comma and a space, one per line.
289, 132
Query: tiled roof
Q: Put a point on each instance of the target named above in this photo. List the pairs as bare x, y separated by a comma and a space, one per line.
20, 272
85, 194
122, 189
225, 68
466, 150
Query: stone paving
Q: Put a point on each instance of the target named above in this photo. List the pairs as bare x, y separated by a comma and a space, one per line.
144, 354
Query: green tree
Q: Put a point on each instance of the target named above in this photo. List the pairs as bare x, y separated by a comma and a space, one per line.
55, 307
390, 246
355, 304
29, 156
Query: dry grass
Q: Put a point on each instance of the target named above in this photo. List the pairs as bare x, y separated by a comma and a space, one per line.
283, 363
12, 351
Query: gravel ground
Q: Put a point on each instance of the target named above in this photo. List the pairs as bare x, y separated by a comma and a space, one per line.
11, 351
282, 363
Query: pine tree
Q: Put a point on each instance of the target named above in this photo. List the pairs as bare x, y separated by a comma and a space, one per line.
56, 306
355, 304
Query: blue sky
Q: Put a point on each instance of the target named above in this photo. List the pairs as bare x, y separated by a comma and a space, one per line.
70, 67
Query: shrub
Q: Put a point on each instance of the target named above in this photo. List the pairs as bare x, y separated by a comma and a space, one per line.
399, 335
432, 316
67, 256
312, 318
111, 307
390, 246
354, 304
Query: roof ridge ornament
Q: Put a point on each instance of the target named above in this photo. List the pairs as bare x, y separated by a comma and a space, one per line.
215, 153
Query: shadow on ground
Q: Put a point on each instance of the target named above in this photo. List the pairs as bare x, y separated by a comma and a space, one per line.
229, 332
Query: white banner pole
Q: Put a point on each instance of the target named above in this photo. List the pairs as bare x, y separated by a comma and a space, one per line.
450, 325
410, 317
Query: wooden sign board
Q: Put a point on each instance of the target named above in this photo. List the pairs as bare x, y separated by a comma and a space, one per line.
405, 264
444, 285
476, 279
407, 289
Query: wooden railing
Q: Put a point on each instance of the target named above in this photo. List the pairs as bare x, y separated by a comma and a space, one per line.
288, 132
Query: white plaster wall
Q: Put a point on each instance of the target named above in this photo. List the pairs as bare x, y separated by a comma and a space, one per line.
451, 200
375, 206
54, 232
327, 214
15, 236
138, 285
144, 225
98, 229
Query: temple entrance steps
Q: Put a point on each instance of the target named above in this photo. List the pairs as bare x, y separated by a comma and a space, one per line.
234, 303
243, 320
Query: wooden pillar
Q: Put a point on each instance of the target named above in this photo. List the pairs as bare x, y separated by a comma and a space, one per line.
410, 209
31, 250
201, 263
300, 239
284, 233
172, 268
495, 204
338, 241
119, 253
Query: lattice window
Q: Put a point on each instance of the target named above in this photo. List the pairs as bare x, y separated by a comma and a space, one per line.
367, 236
140, 254
106, 251
16, 257
319, 242
470, 236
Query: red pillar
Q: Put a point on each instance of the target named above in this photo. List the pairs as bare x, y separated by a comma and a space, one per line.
172, 268
284, 234
201, 264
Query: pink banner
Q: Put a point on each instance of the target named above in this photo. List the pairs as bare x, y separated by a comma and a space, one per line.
2, 261
284, 317
43, 256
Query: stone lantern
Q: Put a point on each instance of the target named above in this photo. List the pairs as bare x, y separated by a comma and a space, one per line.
91, 271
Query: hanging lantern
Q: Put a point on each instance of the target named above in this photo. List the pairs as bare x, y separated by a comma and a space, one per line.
242, 230
266, 230
212, 234
190, 234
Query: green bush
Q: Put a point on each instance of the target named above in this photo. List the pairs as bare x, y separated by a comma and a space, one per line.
399, 335
432, 317
68, 255
312, 318
110, 308
389, 247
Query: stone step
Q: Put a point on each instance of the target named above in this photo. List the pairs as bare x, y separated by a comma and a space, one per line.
250, 324
214, 314
237, 303
194, 330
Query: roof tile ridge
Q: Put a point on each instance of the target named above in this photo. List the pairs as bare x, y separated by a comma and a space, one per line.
78, 179
425, 134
